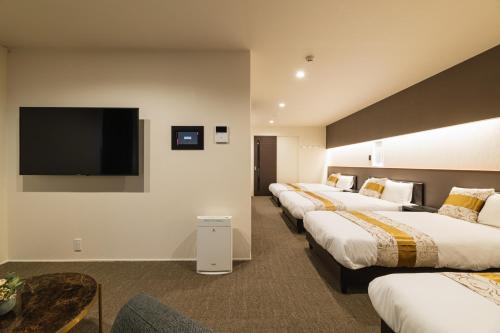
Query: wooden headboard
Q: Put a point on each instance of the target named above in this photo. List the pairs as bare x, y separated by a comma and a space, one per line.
438, 183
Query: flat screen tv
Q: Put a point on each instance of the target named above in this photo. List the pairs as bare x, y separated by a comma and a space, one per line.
79, 141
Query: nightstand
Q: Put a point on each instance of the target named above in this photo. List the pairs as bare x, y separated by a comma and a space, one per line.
417, 208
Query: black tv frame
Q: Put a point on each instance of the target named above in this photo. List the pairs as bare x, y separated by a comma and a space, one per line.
137, 142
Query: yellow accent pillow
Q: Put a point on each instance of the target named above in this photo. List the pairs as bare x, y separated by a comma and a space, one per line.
465, 203
373, 187
333, 179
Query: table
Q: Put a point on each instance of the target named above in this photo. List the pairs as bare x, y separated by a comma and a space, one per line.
52, 303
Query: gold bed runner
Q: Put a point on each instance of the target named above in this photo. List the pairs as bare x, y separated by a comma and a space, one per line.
398, 244
495, 277
321, 202
484, 284
294, 187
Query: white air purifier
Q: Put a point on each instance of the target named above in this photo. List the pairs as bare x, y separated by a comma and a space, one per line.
214, 245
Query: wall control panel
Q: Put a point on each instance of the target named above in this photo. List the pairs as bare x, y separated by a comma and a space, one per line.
221, 134
187, 138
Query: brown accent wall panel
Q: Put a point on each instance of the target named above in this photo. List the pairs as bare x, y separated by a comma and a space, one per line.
467, 92
437, 183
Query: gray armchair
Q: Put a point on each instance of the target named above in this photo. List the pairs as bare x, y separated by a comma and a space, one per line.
144, 314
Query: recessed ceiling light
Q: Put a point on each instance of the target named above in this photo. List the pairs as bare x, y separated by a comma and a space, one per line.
271, 121
282, 105
300, 74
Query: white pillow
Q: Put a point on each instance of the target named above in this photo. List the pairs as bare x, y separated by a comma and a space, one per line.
397, 192
490, 214
345, 182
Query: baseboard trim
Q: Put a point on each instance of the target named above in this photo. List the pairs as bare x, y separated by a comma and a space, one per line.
109, 260
3, 262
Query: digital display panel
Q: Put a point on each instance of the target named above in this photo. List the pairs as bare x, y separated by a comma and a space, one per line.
187, 138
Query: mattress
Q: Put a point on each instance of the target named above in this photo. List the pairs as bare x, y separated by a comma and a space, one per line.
432, 302
461, 245
277, 188
298, 205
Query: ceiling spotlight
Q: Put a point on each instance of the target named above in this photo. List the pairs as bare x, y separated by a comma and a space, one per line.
282, 105
271, 122
300, 74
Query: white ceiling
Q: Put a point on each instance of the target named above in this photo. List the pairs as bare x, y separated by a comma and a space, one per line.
365, 50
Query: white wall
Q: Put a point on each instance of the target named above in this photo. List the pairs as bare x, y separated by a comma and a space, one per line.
3, 155
159, 221
311, 150
472, 146
287, 159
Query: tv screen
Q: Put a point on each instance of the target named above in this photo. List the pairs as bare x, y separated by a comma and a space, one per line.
79, 141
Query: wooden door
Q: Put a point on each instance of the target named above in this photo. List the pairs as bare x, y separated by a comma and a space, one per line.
264, 164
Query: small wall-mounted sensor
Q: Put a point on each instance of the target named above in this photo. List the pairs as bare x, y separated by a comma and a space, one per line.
77, 245
221, 134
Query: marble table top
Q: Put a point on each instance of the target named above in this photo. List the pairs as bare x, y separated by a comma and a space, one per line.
51, 303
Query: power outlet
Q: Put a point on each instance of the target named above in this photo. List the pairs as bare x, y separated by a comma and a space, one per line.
77, 245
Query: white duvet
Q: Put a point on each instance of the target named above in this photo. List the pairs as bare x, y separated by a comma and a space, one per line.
277, 188
298, 205
461, 245
431, 302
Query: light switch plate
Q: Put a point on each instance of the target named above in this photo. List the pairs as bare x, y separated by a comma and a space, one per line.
77, 245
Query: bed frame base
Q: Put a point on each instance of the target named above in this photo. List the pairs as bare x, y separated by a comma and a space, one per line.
356, 281
296, 224
276, 201
384, 328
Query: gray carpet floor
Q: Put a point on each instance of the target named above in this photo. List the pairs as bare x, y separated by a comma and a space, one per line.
283, 289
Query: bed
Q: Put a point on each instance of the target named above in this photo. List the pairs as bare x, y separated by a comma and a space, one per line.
346, 183
277, 188
295, 204
438, 303
357, 255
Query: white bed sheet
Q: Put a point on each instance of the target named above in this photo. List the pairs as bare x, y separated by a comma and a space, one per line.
277, 188
461, 245
431, 302
298, 205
